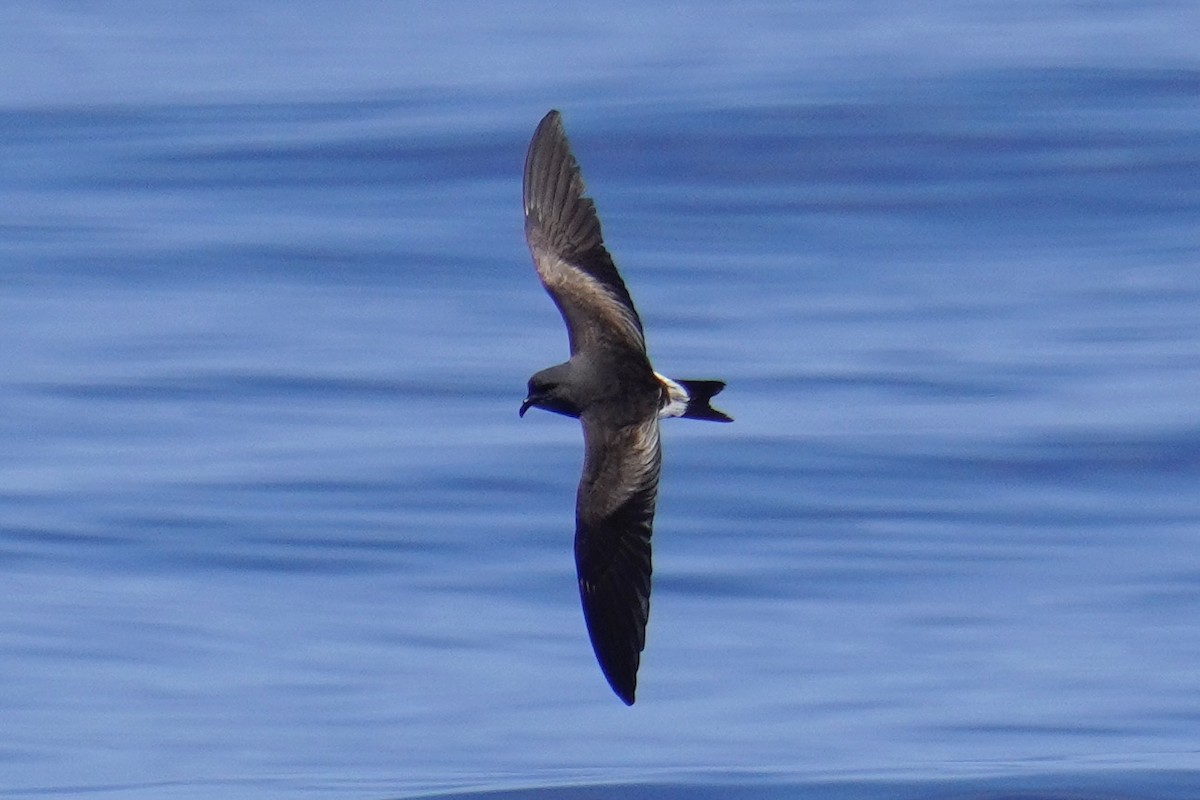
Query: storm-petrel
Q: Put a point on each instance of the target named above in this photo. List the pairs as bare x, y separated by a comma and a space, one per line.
609, 385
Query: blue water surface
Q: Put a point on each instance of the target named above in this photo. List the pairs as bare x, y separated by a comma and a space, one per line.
270, 526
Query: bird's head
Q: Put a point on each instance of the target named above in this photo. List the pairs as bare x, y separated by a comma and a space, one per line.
550, 389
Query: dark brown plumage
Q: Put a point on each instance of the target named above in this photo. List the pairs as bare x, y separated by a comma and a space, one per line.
609, 385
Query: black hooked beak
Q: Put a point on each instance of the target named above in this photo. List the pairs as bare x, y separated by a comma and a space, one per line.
529, 401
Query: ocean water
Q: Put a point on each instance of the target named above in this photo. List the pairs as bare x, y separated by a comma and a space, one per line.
270, 525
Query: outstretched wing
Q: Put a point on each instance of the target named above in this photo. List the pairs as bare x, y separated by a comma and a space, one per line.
563, 233
614, 514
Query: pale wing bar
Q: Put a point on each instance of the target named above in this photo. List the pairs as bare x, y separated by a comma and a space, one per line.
564, 236
614, 520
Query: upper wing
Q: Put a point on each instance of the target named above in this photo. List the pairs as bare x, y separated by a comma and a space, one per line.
614, 514
563, 233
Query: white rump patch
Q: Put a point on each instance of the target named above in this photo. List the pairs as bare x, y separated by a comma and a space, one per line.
677, 398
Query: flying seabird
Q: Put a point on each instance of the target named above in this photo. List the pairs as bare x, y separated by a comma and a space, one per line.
609, 385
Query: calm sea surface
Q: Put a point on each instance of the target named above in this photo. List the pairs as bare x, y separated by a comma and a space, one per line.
270, 526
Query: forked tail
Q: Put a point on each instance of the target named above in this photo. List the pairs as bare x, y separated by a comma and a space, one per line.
690, 400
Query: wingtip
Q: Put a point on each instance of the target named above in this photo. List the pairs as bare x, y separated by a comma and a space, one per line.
625, 690
548, 157
617, 634
552, 119
620, 674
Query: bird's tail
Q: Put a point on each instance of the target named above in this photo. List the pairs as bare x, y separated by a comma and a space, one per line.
690, 400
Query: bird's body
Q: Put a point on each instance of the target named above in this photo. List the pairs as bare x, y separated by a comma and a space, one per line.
610, 386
